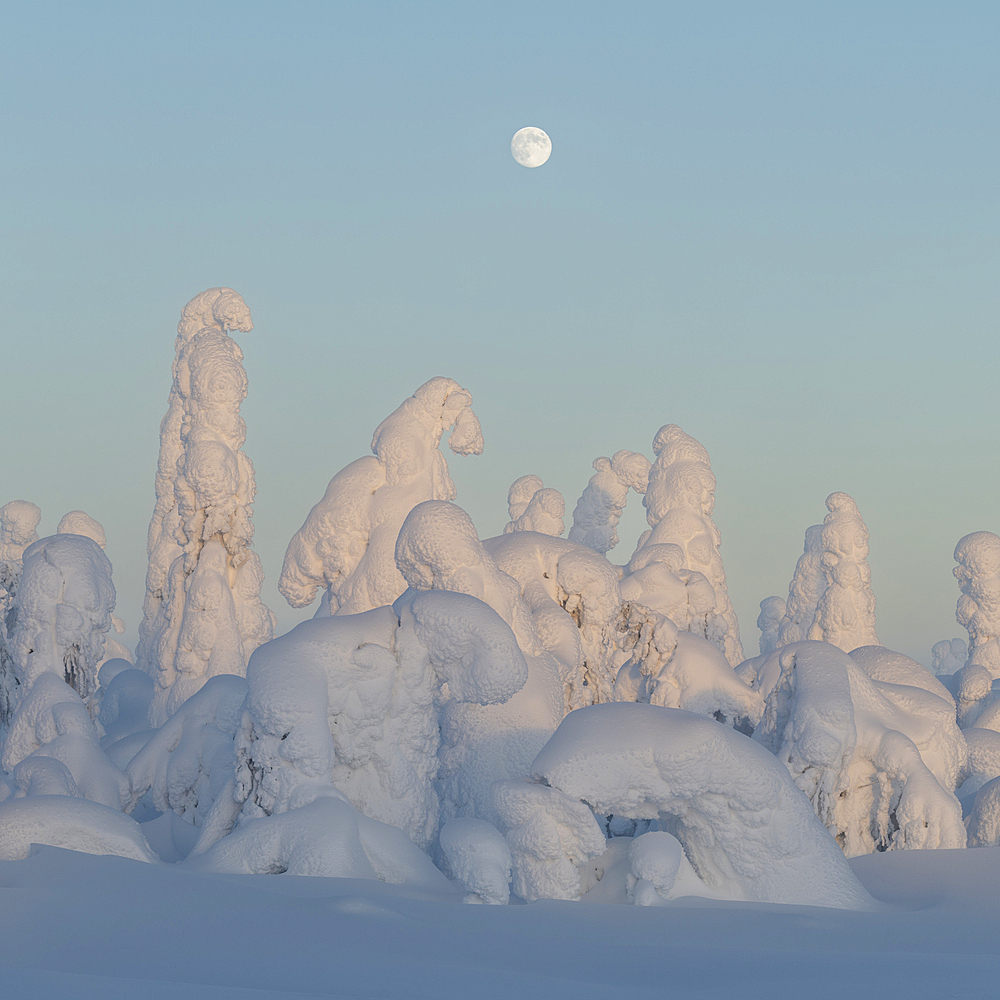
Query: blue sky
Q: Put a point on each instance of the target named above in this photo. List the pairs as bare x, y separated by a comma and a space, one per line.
772, 223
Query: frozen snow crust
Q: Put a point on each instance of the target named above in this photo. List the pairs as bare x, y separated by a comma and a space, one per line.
514, 718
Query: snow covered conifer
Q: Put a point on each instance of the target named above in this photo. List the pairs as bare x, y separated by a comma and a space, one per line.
202, 614
348, 541
772, 613
18, 521
805, 590
597, 512
64, 602
679, 502
978, 576
845, 614
532, 507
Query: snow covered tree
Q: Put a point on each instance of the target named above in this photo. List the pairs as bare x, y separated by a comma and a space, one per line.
347, 542
949, 656
845, 613
805, 590
202, 614
679, 502
600, 507
978, 576
532, 507
18, 521
64, 602
772, 612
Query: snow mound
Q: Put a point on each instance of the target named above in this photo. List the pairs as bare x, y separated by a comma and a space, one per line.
476, 854
72, 823
744, 826
534, 508
347, 542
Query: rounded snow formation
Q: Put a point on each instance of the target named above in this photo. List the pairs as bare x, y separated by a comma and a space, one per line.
879, 761
78, 522
772, 612
347, 542
978, 610
18, 521
71, 823
544, 512
476, 854
744, 826
806, 588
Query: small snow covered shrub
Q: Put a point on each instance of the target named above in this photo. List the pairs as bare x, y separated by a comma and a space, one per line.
347, 542
878, 759
532, 507
202, 614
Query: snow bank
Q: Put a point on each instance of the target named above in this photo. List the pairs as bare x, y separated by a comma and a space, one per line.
600, 507
346, 543
679, 502
978, 576
877, 760
72, 823
743, 824
202, 615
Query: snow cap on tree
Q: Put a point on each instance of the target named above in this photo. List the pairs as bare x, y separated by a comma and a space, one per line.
845, 614
679, 502
202, 614
595, 519
978, 610
347, 542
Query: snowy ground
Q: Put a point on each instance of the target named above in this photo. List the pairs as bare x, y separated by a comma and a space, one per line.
79, 926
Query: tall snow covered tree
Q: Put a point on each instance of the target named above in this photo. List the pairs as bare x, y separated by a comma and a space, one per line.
978, 576
679, 502
202, 614
845, 614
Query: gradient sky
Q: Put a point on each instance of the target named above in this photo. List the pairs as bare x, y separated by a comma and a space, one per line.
775, 224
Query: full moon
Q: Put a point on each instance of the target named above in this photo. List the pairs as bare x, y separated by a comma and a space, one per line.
531, 147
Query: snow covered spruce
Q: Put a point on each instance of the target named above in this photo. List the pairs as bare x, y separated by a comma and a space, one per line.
514, 717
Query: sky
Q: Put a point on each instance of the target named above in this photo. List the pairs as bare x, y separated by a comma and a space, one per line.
775, 224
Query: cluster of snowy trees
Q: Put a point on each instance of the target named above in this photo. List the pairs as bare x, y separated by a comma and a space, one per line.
511, 714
